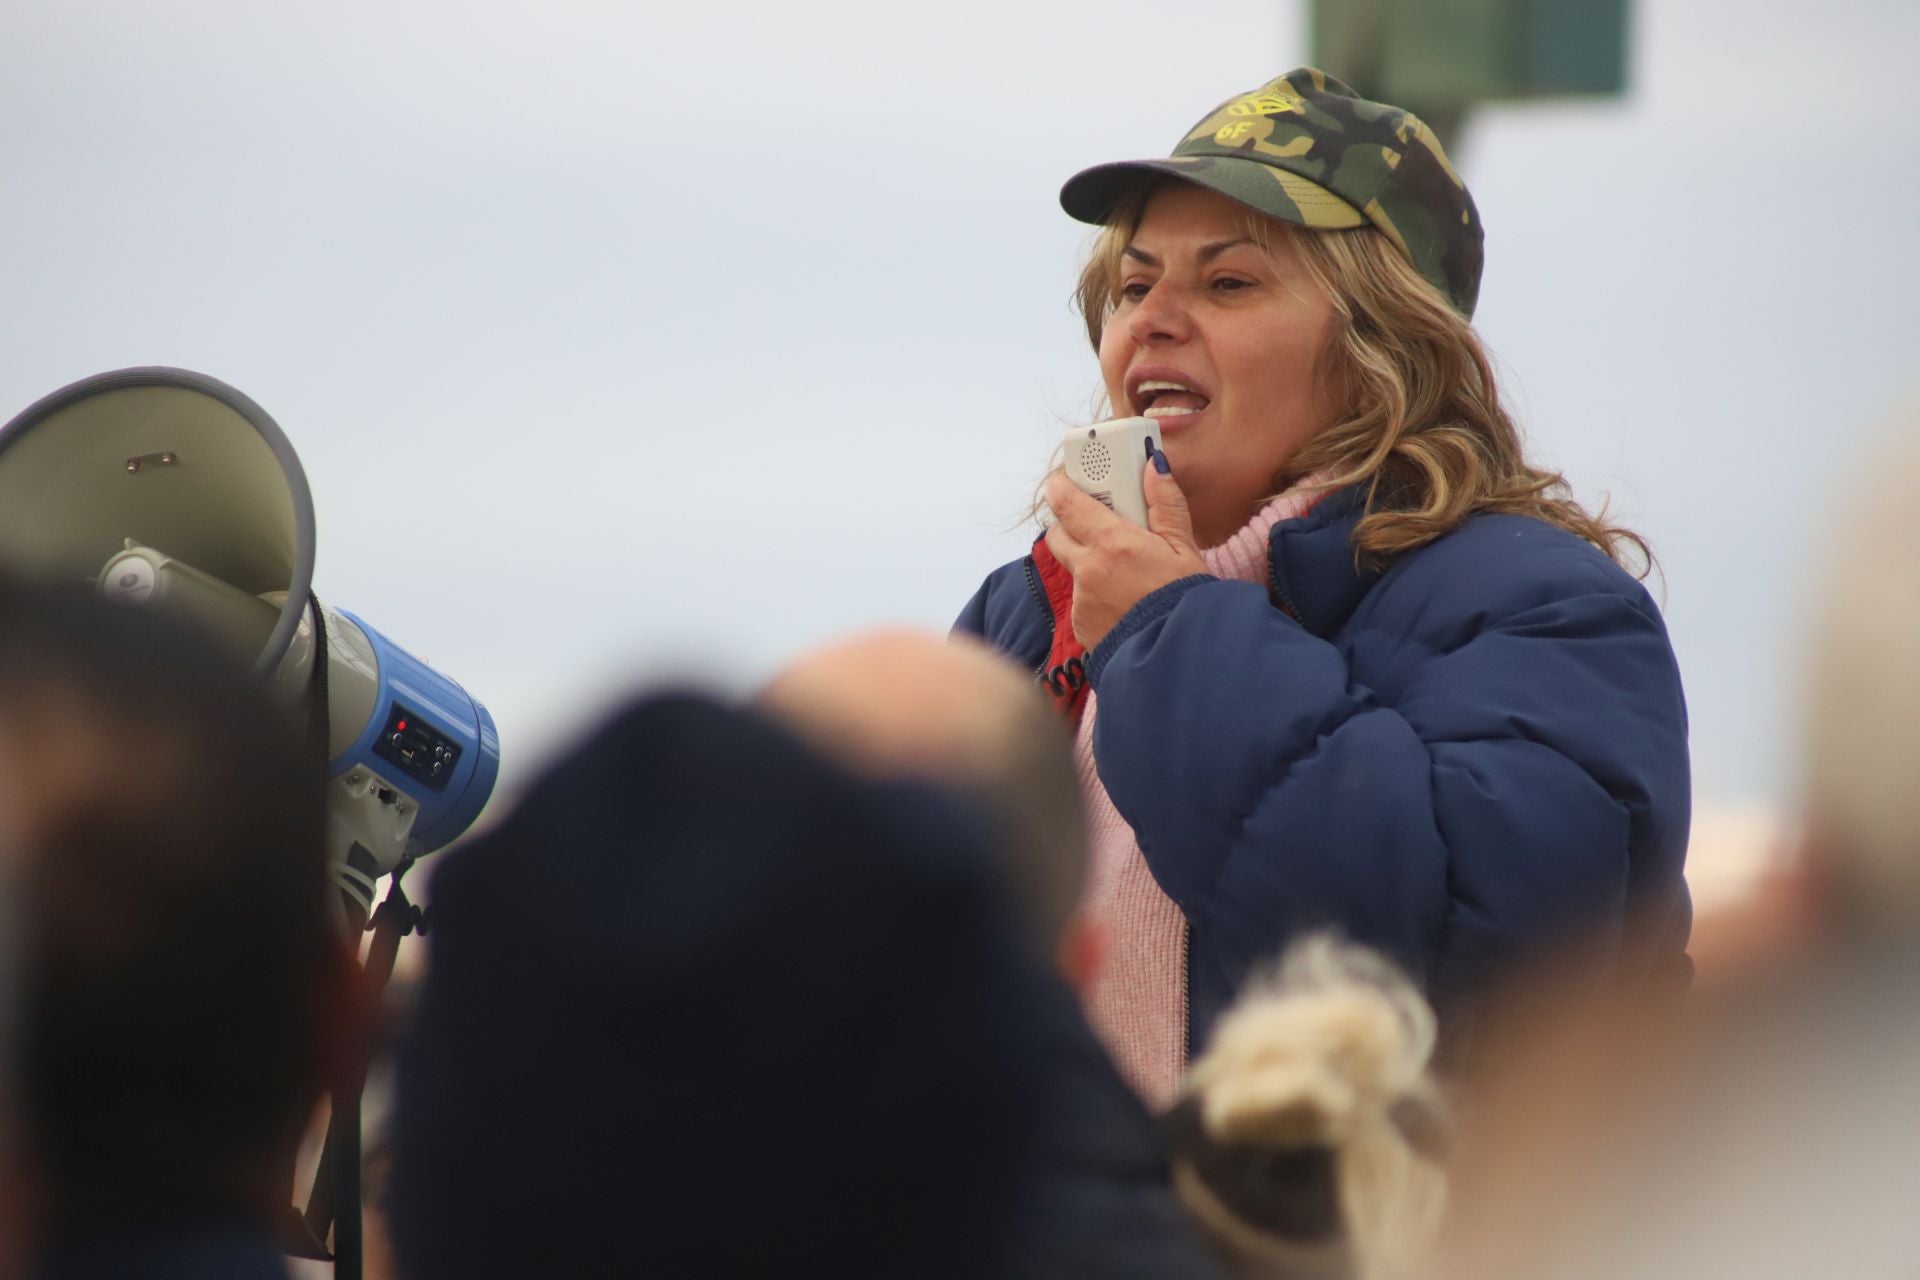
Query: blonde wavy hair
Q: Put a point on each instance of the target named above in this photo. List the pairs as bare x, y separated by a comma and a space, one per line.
1423, 428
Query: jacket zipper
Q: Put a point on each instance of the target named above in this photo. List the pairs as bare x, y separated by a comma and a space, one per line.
1186, 926
1280, 598
1186, 993
1046, 611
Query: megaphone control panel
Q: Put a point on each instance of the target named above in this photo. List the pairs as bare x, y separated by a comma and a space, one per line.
417, 749
412, 757
428, 737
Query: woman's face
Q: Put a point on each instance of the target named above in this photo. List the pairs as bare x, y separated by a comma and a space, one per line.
1217, 340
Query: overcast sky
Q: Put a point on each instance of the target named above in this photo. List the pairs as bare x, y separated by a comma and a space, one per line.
622, 340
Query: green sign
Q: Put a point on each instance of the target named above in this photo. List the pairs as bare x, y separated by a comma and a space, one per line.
1437, 58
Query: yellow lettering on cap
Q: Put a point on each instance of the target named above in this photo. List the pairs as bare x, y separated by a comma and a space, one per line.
1233, 131
1265, 103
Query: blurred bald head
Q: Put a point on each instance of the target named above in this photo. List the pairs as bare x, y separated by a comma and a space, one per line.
902, 703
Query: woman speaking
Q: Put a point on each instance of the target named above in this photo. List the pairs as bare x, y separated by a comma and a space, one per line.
1367, 667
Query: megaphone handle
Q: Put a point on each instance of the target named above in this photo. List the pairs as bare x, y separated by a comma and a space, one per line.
348, 1258
334, 1202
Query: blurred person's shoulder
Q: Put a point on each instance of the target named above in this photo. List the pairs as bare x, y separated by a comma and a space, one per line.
1789, 1130
1764, 1128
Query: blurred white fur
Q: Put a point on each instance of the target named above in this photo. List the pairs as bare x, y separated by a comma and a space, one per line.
1330, 1050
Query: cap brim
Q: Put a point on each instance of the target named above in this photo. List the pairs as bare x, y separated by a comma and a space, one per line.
1092, 194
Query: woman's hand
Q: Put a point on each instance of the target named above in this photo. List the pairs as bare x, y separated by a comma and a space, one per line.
1115, 564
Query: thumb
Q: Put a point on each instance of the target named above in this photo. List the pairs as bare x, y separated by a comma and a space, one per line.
1167, 513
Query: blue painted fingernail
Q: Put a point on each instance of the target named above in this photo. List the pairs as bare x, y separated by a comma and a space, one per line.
1160, 462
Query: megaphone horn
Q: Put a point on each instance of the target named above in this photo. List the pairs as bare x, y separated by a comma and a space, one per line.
174, 491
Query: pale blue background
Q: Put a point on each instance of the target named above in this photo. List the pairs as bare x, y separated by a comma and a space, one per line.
620, 340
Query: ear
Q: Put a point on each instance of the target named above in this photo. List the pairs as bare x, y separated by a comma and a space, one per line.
1082, 952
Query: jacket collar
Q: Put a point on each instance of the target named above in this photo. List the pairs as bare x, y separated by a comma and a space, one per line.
1311, 565
1312, 562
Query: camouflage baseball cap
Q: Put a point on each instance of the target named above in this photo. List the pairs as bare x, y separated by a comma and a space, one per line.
1307, 149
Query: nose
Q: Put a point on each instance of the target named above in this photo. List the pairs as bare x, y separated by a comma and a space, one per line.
1161, 316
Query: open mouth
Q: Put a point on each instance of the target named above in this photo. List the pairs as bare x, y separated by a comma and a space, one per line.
1161, 399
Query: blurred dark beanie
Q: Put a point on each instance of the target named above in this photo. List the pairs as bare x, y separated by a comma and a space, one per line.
704, 1005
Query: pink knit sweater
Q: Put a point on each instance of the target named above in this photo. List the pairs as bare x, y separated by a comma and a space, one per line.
1137, 1002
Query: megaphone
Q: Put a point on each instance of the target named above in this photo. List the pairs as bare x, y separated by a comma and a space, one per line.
173, 491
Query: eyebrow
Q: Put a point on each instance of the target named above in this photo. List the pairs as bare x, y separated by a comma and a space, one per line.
1208, 252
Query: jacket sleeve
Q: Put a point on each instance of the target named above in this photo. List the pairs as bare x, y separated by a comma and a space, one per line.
1487, 806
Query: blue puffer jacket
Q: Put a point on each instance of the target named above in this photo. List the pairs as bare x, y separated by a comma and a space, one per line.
1460, 760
